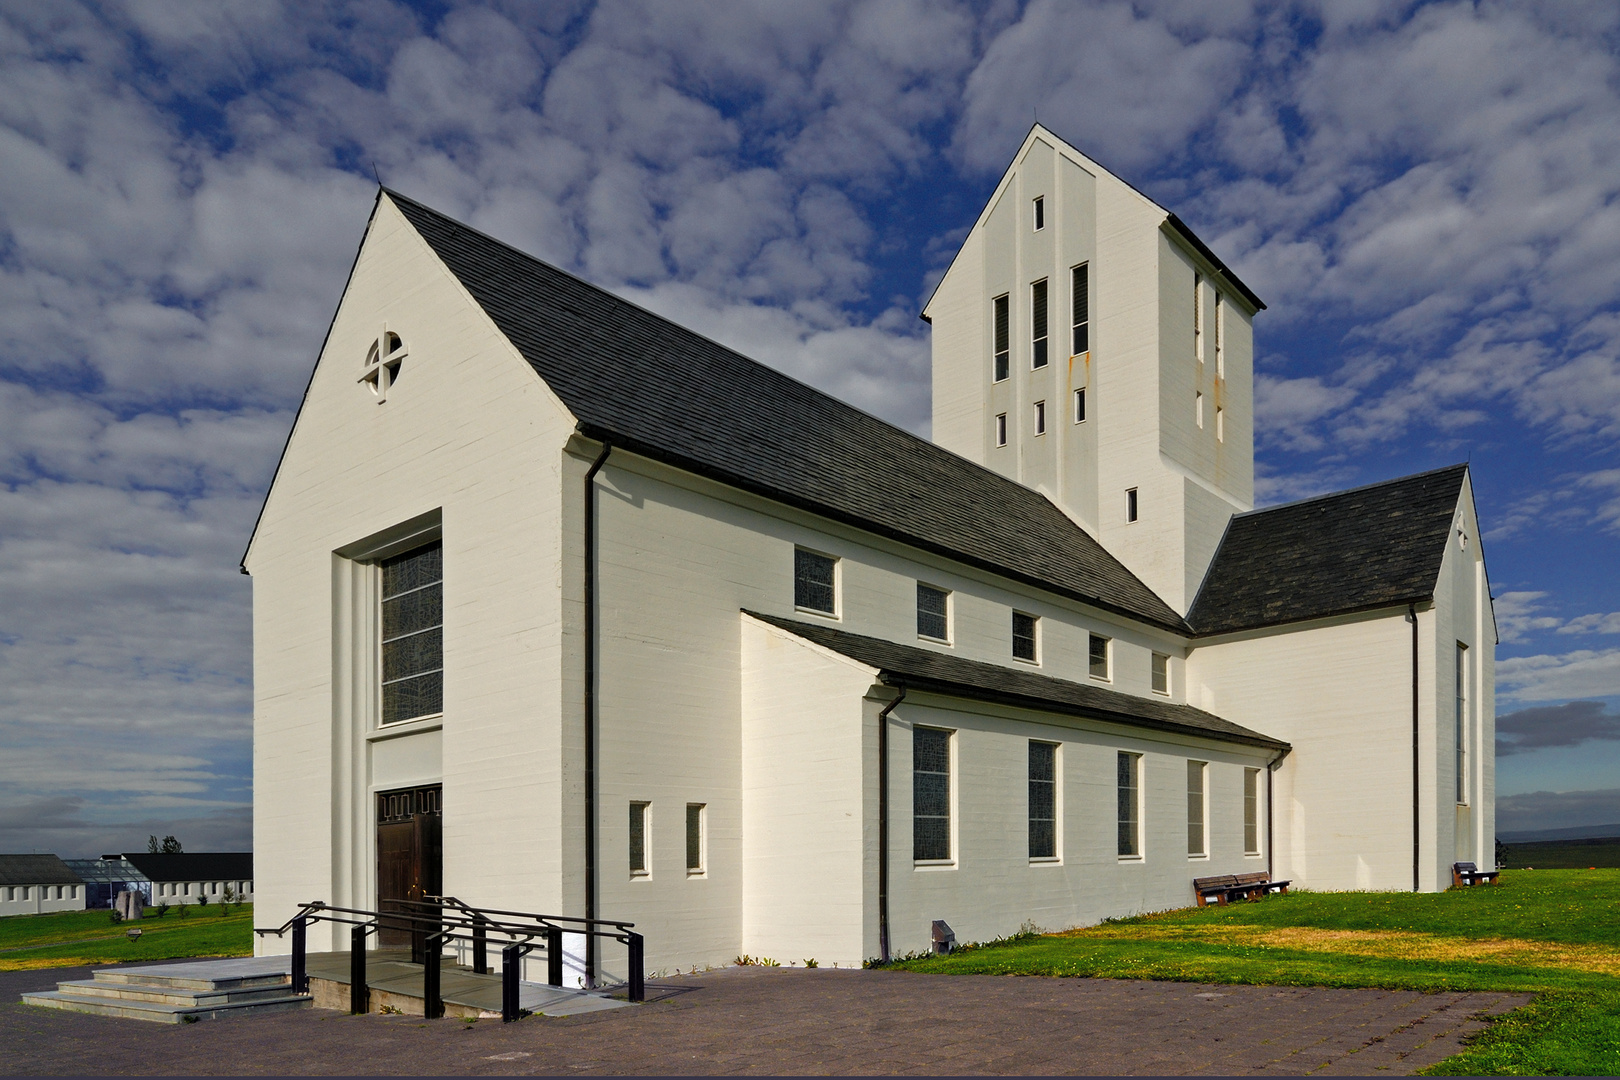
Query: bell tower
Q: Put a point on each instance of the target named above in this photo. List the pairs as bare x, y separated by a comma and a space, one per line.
1088, 345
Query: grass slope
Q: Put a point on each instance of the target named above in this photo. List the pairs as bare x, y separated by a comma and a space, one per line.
73, 938
1555, 933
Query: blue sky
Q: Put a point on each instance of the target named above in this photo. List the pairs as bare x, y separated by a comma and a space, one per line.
1426, 195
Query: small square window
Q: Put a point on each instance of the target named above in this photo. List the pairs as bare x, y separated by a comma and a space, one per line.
1080, 405
1001, 429
1161, 673
1099, 656
695, 838
1130, 504
933, 613
638, 839
813, 581
1040, 214
1025, 630
1040, 418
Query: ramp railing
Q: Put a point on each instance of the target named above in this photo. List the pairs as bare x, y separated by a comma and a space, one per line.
438, 920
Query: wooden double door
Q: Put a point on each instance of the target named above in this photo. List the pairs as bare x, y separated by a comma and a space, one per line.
410, 862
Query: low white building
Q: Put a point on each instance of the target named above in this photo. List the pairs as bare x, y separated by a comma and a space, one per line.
187, 877
561, 607
36, 884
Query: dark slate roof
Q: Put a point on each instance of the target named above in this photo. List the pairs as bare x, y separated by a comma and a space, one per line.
1354, 550
658, 389
36, 870
943, 673
198, 866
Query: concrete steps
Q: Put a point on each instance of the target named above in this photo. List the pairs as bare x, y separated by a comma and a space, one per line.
179, 993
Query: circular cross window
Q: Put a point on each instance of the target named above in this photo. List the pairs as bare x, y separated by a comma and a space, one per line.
384, 360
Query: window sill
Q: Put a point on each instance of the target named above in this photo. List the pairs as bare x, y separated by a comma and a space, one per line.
640, 875
407, 727
934, 640
1131, 859
817, 611
933, 864
1022, 660
1104, 679
1199, 858
1047, 860
1251, 854
697, 874
1161, 693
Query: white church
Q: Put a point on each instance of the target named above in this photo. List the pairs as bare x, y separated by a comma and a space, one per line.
560, 607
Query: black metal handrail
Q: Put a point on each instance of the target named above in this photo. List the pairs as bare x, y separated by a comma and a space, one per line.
441, 919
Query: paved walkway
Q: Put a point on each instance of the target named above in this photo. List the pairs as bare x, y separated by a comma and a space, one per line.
797, 1021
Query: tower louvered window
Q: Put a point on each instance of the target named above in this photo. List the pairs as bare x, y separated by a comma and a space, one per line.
1003, 368
1080, 308
1037, 318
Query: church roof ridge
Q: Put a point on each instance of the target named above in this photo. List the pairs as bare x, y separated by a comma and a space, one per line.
766, 432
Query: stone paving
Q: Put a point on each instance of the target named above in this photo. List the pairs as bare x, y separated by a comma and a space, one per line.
778, 1020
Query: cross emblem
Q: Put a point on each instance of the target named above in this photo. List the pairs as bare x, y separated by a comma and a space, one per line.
383, 361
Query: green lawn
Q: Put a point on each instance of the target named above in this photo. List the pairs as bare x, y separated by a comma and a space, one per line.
1552, 932
73, 938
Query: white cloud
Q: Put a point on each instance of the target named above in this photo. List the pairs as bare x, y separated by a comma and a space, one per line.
1593, 624
1517, 614
1585, 673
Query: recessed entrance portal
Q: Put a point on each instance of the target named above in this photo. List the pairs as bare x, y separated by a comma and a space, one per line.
410, 861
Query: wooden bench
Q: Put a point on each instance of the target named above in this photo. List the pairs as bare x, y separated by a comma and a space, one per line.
1464, 874
1228, 887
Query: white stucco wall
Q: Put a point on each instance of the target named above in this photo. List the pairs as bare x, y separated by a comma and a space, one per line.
471, 435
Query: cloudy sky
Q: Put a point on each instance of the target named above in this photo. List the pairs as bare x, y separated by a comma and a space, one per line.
1427, 196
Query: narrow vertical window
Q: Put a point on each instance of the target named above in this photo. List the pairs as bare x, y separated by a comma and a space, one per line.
1198, 317
1025, 630
1099, 656
1080, 405
930, 795
1251, 811
1220, 424
1130, 504
933, 613
1220, 336
1037, 321
1040, 418
1195, 808
638, 839
694, 838
413, 634
1002, 332
1080, 308
1042, 800
1461, 724
1001, 429
1130, 833
1161, 673
1198, 408
813, 576
1040, 214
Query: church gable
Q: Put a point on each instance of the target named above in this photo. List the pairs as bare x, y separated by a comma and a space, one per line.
1354, 550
